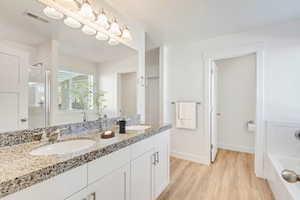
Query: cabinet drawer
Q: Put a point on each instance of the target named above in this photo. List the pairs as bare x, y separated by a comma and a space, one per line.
102, 166
141, 147
59, 187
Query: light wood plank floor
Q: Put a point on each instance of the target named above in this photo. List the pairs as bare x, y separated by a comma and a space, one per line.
231, 177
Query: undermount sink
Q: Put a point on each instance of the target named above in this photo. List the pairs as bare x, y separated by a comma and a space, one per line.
137, 127
63, 148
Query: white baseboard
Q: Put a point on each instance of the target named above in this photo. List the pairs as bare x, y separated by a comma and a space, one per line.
191, 157
236, 148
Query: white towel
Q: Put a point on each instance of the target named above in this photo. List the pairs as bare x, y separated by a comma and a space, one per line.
186, 115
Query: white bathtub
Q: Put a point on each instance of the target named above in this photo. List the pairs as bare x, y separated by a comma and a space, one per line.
281, 189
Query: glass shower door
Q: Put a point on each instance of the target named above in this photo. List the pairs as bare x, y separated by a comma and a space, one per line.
38, 93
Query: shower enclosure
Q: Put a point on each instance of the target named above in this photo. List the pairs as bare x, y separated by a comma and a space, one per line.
39, 96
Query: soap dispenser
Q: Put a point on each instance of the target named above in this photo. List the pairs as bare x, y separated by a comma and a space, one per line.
122, 126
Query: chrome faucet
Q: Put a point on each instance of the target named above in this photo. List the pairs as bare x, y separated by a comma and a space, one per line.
53, 136
290, 176
84, 117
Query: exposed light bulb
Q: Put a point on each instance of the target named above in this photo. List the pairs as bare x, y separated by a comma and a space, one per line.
115, 28
126, 35
69, 21
101, 36
88, 30
113, 42
86, 11
53, 13
102, 20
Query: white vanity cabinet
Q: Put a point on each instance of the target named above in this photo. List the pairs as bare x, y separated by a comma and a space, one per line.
150, 171
137, 172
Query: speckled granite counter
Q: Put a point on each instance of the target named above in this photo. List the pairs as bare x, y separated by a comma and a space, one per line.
19, 169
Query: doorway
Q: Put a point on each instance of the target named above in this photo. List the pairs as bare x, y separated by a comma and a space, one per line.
210, 59
233, 100
128, 93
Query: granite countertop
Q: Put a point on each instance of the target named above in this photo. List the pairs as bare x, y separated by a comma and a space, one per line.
19, 169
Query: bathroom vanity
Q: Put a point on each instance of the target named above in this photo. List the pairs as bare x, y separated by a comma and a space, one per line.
133, 167
58, 76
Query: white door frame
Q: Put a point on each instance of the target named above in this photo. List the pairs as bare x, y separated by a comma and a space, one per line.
209, 58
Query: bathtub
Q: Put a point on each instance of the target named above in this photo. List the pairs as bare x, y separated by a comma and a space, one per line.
281, 189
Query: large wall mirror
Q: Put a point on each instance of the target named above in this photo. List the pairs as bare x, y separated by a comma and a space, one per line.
52, 74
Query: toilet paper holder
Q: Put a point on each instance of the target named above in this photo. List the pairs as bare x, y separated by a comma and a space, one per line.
251, 126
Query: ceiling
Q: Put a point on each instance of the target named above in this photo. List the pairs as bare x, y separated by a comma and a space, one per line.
18, 27
189, 20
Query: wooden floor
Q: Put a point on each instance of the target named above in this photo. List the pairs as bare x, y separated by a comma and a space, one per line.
231, 177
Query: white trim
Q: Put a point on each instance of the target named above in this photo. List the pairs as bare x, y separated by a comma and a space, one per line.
283, 123
161, 84
258, 49
191, 157
236, 148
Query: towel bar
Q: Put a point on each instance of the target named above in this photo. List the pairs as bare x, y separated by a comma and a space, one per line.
198, 103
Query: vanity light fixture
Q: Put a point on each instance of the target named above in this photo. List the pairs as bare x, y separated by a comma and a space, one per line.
86, 11
88, 30
126, 35
113, 42
69, 21
115, 28
101, 36
53, 13
102, 20
82, 14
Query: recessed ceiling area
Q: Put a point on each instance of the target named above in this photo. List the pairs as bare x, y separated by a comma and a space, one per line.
18, 27
189, 20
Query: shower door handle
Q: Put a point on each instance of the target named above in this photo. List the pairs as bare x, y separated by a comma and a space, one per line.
47, 97
218, 114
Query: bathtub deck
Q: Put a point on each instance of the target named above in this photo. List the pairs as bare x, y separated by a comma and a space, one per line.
231, 177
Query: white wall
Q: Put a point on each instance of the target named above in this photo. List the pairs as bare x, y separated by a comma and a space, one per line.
281, 138
76, 64
184, 79
236, 99
108, 80
32, 50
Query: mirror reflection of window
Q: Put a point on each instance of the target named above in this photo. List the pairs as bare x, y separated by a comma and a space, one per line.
75, 91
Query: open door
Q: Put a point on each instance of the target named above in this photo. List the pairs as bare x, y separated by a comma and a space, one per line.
214, 112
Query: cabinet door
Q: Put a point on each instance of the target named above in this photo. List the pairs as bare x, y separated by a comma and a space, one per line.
142, 177
162, 163
114, 186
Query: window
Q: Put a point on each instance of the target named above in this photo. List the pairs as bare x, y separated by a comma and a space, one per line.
75, 91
